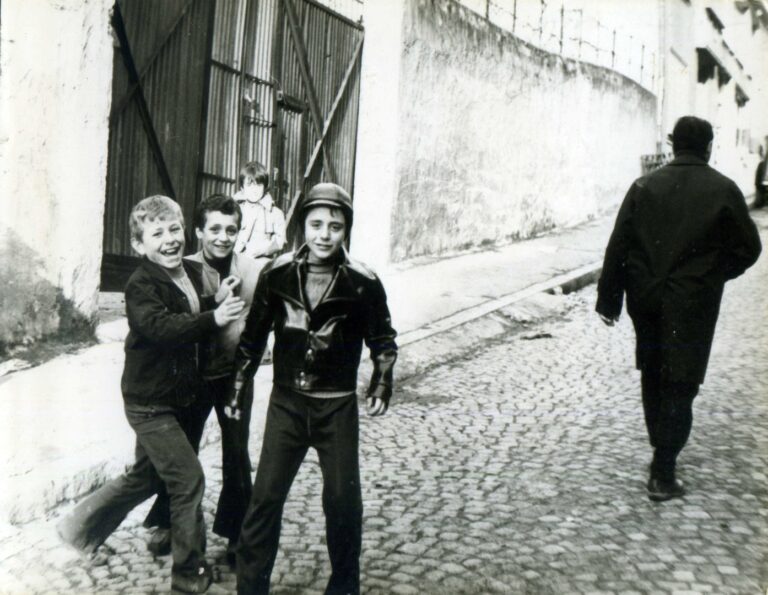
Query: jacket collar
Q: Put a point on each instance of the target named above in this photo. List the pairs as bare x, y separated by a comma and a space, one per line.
199, 259
342, 287
156, 272
687, 158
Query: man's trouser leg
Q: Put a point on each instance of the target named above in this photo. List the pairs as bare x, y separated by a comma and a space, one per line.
673, 425
162, 449
650, 381
236, 485
284, 447
335, 435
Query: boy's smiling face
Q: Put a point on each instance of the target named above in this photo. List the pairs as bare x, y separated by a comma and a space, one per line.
162, 242
324, 230
218, 235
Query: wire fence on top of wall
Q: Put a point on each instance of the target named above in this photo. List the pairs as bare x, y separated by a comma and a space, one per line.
571, 33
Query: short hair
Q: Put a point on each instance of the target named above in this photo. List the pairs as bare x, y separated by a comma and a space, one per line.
151, 208
692, 134
255, 171
216, 202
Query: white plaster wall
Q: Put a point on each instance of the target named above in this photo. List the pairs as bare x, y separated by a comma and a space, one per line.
55, 93
686, 27
378, 132
499, 141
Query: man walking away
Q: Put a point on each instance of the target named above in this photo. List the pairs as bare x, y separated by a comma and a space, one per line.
681, 233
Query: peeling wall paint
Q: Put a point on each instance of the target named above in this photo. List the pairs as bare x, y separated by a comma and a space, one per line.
499, 141
55, 93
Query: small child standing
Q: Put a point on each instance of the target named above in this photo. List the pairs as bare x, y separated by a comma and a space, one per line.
262, 233
323, 305
166, 318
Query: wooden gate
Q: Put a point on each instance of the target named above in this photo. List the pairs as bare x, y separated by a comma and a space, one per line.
202, 87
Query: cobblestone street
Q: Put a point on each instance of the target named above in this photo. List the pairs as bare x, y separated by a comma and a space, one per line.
521, 469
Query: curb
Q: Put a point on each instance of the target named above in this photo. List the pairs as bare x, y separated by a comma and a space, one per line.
459, 334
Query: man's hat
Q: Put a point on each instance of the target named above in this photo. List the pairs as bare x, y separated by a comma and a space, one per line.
326, 194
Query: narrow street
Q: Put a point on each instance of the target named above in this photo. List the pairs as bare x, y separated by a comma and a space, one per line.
521, 469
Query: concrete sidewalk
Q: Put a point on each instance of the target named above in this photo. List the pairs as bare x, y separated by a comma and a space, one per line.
64, 430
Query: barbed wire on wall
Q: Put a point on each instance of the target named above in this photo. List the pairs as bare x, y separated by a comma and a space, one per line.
571, 33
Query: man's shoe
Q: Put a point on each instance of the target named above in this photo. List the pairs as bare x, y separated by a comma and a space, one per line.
232, 553
192, 583
660, 491
160, 542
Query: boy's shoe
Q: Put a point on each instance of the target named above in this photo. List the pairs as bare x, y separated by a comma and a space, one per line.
88, 558
160, 542
192, 583
660, 491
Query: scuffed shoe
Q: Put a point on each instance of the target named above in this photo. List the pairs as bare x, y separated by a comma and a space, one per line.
660, 491
192, 583
160, 542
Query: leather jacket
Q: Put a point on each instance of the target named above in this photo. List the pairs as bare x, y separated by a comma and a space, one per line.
320, 349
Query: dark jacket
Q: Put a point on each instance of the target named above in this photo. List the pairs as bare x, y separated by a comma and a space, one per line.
320, 349
681, 233
160, 350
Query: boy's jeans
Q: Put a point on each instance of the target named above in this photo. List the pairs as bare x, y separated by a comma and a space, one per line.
236, 462
294, 423
162, 448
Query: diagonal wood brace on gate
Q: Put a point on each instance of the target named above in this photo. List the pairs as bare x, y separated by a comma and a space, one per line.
309, 83
321, 127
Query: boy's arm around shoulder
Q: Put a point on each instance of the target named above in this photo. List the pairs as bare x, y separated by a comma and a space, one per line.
380, 339
151, 318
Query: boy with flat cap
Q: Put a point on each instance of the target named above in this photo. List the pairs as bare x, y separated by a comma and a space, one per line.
323, 305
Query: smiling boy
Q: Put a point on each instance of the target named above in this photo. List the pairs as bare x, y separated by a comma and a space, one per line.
324, 305
166, 319
217, 224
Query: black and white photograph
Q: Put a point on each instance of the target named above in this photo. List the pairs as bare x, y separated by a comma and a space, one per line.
408, 297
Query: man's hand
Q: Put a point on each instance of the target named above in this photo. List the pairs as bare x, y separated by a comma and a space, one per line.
608, 321
228, 287
228, 310
376, 406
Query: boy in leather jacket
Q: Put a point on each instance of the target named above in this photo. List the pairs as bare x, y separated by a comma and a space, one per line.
323, 305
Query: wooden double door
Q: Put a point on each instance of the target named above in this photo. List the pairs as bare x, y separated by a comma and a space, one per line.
201, 87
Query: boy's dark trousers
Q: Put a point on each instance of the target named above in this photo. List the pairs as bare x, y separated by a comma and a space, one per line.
163, 452
236, 462
668, 408
295, 423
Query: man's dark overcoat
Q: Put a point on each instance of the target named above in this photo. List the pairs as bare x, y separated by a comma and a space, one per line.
681, 233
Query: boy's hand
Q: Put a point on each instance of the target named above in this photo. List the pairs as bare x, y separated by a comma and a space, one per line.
229, 310
231, 412
232, 409
376, 406
608, 321
228, 287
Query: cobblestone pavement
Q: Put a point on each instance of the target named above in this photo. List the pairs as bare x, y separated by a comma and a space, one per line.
518, 470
